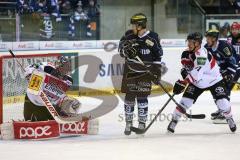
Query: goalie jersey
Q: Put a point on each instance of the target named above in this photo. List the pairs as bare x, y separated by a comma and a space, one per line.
202, 68
56, 86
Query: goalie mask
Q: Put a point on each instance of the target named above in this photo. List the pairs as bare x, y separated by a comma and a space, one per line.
63, 65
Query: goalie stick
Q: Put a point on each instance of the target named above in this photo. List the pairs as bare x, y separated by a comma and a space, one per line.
13, 55
50, 107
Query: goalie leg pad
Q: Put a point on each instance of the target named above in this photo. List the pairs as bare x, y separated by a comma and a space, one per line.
30, 130
78, 128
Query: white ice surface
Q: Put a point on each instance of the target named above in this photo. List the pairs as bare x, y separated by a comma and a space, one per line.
193, 140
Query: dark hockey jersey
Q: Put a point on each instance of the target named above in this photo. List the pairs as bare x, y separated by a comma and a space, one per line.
135, 77
226, 57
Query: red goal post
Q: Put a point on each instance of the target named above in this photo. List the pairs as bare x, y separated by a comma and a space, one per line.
13, 84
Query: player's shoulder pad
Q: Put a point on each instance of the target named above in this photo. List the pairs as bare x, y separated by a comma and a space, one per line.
225, 48
152, 38
153, 34
128, 33
48, 67
185, 54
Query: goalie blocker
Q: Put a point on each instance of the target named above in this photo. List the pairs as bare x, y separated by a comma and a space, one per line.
46, 129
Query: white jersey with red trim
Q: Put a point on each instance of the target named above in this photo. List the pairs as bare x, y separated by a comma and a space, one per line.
202, 68
54, 87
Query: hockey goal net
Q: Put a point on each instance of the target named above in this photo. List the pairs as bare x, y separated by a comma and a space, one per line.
14, 85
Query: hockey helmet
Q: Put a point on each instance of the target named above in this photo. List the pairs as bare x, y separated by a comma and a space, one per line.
139, 19
212, 33
196, 36
235, 28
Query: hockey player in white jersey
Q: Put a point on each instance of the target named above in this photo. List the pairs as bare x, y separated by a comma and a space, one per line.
201, 72
55, 89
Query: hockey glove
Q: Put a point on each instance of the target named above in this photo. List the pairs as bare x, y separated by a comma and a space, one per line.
130, 48
228, 77
130, 52
184, 73
179, 87
155, 70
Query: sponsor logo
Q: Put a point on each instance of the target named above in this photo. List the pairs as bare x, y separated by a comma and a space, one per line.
77, 45
190, 89
37, 132
35, 82
74, 128
48, 104
201, 60
219, 89
149, 42
109, 46
52, 88
49, 45
22, 46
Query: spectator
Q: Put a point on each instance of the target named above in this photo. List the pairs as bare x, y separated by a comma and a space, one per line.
226, 7
236, 5
93, 11
224, 30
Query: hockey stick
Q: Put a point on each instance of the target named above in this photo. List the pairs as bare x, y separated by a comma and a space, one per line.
55, 114
196, 116
142, 131
13, 55
192, 116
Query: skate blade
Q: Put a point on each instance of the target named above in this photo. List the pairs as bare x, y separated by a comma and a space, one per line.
219, 121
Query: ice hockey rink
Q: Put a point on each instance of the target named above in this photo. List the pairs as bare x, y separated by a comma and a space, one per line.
193, 139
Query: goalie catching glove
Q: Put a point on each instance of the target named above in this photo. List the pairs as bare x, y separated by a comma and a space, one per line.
179, 86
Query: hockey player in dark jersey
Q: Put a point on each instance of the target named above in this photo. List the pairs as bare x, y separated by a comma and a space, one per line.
227, 60
136, 83
234, 39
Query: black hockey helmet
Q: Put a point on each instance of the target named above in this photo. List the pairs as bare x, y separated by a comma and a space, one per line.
140, 19
196, 36
212, 33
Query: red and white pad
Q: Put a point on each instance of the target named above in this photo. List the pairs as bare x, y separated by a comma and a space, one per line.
78, 128
46, 129
30, 130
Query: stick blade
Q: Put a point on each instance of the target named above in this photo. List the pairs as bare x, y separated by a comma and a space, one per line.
137, 130
196, 116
